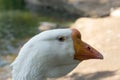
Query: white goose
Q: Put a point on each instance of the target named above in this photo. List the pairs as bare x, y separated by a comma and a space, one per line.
52, 54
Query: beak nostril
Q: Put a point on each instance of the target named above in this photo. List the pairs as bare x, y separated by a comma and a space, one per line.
88, 48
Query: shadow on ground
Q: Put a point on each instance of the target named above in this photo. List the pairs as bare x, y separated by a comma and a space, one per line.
93, 76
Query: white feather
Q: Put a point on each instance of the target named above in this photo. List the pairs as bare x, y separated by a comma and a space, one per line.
44, 56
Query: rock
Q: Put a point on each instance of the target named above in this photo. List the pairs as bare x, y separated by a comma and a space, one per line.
49, 25
115, 12
8, 47
3, 63
94, 8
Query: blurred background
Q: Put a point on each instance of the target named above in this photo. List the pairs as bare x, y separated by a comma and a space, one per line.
97, 20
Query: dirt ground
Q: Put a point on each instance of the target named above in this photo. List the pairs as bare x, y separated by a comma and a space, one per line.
104, 35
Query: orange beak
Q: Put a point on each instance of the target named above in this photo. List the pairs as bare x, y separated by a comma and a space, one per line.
83, 51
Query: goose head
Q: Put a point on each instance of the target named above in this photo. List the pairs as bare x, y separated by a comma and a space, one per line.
52, 54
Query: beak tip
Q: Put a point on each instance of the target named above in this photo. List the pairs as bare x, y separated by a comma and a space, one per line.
100, 57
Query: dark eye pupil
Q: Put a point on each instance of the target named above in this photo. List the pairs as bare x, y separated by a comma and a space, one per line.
61, 39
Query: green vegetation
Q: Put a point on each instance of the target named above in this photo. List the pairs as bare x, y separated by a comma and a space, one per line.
22, 24
12, 4
17, 24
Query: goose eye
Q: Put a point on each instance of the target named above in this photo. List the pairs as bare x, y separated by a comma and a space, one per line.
61, 38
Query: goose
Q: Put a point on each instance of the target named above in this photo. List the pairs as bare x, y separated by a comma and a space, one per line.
52, 54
